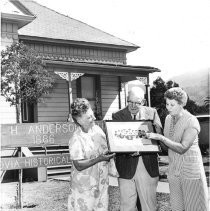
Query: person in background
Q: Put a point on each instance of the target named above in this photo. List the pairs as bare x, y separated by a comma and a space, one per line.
138, 173
91, 162
187, 180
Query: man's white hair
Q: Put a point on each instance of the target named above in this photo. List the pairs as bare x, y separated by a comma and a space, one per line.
136, 91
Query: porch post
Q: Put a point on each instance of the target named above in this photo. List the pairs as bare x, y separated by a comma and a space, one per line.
148, 95
69, 77
69, 95
20, 182
145, 81
119, 90
148, 91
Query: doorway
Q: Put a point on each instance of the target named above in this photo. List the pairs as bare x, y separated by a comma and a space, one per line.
88, 86
28, 112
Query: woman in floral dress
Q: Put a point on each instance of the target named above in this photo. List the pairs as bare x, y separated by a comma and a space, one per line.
187, 180
91, 162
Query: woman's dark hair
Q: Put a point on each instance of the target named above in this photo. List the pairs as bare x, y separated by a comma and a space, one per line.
79, 107
178, 94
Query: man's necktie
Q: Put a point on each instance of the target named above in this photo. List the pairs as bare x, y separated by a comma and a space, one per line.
134, 117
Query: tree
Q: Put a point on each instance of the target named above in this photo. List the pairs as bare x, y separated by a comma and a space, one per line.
207, 103
24, 77
158, 101
157, 96
170, 84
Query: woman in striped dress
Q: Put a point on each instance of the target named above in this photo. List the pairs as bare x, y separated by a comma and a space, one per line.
187, 180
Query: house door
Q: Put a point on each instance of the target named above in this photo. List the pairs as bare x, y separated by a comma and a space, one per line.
88, 87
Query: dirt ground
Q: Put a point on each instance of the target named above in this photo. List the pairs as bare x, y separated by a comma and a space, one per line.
53, 194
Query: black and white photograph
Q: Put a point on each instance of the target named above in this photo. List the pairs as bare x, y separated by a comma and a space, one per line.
105, 105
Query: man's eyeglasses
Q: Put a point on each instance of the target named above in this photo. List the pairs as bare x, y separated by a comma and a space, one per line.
136, 103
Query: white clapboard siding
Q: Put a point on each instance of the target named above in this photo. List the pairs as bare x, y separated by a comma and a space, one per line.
51, 100
57, 95
111, 110
111, 83
109, 101
55, 107
60, 91
7, 112
52, 113
53, 119
112, 95
60, 85
109, 95
108, 88
114, 104
111, 91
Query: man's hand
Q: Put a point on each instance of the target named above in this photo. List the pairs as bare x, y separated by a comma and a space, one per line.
135, 154
142, 134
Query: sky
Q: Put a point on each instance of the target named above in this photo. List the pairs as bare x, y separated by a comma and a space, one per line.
173, 35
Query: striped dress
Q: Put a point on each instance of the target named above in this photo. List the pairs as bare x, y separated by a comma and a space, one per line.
187, 180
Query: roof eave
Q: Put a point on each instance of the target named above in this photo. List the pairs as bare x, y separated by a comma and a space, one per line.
78, 43
21, 20
103, 69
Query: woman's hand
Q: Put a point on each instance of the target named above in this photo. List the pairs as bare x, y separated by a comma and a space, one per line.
106, 156
155, 136
86, 163
187, 140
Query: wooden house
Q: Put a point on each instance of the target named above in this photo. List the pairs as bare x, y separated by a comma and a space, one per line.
85, 61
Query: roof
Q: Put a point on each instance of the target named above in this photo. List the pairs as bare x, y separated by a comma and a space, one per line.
10, 8
14, 11
55, 26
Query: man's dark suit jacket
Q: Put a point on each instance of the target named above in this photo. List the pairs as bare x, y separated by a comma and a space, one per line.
125, 163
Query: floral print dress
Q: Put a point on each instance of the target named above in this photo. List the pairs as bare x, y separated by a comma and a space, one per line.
89, 187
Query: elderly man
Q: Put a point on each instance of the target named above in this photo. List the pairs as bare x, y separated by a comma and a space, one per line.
138, 172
